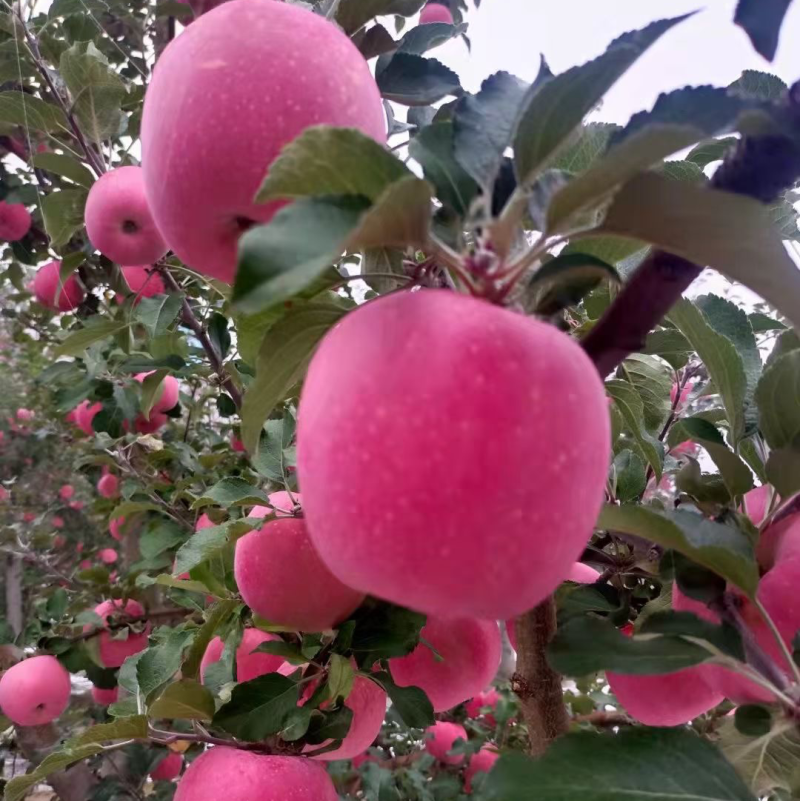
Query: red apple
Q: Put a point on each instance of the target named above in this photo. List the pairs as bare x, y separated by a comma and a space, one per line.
168, 393
779, 541
58, 522
169, 768
200, 99
105, 697
249, 665
107, 556
433, 389
113, 652
51, 293
84, 414
118, 220
115, 526
108, 486
143, 282
489, 698
482, 762
435, 12
15, 221
204, 521
25, 415
66, 492
35, 691
440, 739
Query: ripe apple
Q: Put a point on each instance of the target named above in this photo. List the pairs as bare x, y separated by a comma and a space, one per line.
66, 492
115, 526
249, 665
168, 394
114, 652
756, 503
482, 762
468, 652
237, 775
169, 768
105, 697
779, 541
84, 414
436, 389
488, 698
108, 486
3, 494
58, 522
52, 294
282, 504
440, 739
15, 221
435, 12
156, 422
236, 444
282, 596
143, 282
35, 691
118, 220
204, 521
25, 415
200, 99
107, 556
85, 564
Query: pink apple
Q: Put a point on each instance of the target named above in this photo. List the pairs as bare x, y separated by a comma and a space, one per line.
118, 220
84, 414
756, 503
66, 492
4, 493
15, 221
35, 691
482, 762
283, 596
168, 394
25, 415
105, 697
489, 698
282, 504
58, 522
779, 541
169, 768
29, 517
77, 505
468, 658
440, 739
236, 444
156, 422
108, 486
113, 652
107, 556
249, 665
50, 292
115, 528
280, 47
236, 775
204, 521
85, 564
438, 388
435, 12
144, 282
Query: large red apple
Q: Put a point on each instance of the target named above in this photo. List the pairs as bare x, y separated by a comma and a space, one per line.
779, 541
440, 739
113, 652
441, 442
118, 220
15, 221
435, 12
249, 665
205, 124
466, 660
50, 292
235, 775
35, 691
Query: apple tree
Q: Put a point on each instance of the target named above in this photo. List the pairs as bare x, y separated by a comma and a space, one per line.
364, 437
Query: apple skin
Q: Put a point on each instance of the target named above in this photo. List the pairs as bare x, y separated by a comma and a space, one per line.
756, 502
482, 762
108, 486
118, 219
168, 395
114, 652
25, 415
283, 505
200, 100
235, 775
488, 698
107, 556
435, 389
470, 651
204, 521
435, 12
440, 738
15, 221
114, 528
46, 288
105, 697
142, 282
779, 541
35, 691
84, 414
306, 598
169, 768
66, 492
248, 665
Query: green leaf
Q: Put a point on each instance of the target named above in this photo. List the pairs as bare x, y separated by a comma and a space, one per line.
624, 254
96, 329
207, 543
585, 148
96, 89
653, 381
21, 108
422, 38
631, 479
331, 161
711, 150
215, 616
671, 345
340, 677
158, 313
725, 550
219, 335
432, 149
410, 703
63, 214
721, 358
353, 14
183, 700
384, 631
151, 390
279, 648
297, 722
412, 80
231, 492
282, 361
271, 458
728, 232
761, 21
758, 86
258, 708
635, 764
160, 662
777, 398
688, 625
384, 261
552, 110
326, 726
66, 167
631, 407
783, 469
129, 728
785, 217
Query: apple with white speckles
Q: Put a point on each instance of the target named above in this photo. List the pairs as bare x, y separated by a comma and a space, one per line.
249, 663
113, 652
423, 420
35, 691
201, 100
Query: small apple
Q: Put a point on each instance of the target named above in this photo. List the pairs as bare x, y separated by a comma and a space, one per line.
108, 486
482, 762
105, 697
52, 294
35, 691
169, 768
144, 282
113, 652
168, 393
440, 739
15, 221
107, 556
66, 492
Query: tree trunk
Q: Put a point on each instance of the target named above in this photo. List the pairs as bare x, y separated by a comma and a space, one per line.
13, 582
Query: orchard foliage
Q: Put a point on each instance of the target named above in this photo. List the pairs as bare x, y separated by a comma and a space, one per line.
269, 478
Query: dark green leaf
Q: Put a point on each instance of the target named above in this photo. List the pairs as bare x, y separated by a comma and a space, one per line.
631, 480
762, 20
758, 86
63, 214
21, 108
96, 329
352, 14
219, 335
258, 708
159, 663
753, 720
416, 81
777, 397
158, 313
711, 150
411, 703
671, 345
231, 492
65, 166
422, 38
327, 726
631, 407
183, 700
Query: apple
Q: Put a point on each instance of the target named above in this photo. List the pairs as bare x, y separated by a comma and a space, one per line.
236, 444
168, 394
35, 691
105, 697
108, 486
435, 12
15, 221
142, 425
4, 493
85, 412
685, 394
249, 665
113, 652
200, 100
115, 528
58, 522
25, 415
85, 564
66, 492
432, 389
143, 282
29, 517
52, 294
779, 541
282, 504
306, 597
482, 762
488, 698
77, 505
237, 775
118, 220
204, 521
107, 556
169, 768
756, 503
468, 658
59, 541
440, 739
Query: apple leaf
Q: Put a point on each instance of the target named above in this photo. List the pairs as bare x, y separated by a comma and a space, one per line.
776, 395
761, 21
183, 700
66, 167
21, 108
63, 214
257, 708
352, 14
412, 80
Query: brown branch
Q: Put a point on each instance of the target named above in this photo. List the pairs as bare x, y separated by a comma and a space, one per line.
155, 614
536, 684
